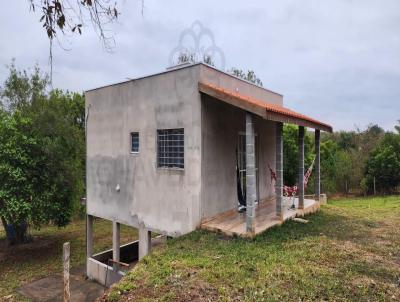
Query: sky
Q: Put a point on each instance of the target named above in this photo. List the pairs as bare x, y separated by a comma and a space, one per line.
335, 60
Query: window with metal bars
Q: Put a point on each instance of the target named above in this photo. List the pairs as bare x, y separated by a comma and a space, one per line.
134, 142
170, 148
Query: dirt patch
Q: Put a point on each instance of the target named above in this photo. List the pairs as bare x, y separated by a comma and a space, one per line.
37, 247
145, 291
181, 287
367, 256
50, 289
201, 292
363, 281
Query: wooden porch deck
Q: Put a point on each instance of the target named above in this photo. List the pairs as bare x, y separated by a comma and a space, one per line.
233, 223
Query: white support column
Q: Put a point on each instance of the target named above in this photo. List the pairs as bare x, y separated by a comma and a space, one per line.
144, 242
317, 166
116, 243
250, 174
301, 167
279, 170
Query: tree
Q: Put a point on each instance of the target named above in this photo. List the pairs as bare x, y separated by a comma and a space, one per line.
21, 89
191, 57
329, 150
397, 127
248, 76
41, 154
344, 171
383, 165
18, 159
60, 16
346, 140
291, 151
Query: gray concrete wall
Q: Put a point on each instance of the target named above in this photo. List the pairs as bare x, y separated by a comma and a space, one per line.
221, 126
212, 76
164, 201
102, 273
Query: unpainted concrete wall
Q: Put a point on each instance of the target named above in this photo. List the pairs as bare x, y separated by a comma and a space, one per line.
212, 76
102, 273
161, 200
165, 201
221, 126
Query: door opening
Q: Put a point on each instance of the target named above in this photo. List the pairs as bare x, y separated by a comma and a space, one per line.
241, 156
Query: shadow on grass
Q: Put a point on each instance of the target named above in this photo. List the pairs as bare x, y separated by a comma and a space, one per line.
42, 247
323, 223
332, 225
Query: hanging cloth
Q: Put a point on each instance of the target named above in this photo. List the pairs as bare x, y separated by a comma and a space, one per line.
293, 190
240, 195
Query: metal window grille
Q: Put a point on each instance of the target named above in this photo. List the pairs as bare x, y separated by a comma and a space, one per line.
135, 142
170, 148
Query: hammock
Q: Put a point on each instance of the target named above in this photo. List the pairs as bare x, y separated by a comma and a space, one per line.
292, 191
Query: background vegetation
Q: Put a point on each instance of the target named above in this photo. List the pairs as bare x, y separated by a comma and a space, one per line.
42, 154
352, 162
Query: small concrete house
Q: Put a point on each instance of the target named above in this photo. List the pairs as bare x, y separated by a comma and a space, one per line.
168, 153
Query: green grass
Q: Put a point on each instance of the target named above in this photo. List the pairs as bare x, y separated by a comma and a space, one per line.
42, 257
349, 251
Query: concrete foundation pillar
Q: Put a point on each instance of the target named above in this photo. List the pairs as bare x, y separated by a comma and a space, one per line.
144, 242
89, 239
317, 166
279, 170
250, 173
89, 236
301, 168
116, 243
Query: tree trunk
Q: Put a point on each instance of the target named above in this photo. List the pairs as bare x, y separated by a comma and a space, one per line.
8, 231
16, 233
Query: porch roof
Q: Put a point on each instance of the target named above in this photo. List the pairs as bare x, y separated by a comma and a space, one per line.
266, 110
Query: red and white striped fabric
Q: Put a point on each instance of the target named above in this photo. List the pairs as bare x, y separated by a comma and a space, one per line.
293, 191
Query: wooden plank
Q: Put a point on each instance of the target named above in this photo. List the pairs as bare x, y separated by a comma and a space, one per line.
215, 217
232, 223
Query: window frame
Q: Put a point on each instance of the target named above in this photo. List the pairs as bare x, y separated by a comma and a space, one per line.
165, 166
131, 142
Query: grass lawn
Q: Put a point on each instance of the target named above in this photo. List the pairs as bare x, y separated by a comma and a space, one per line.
43, 256
349, 251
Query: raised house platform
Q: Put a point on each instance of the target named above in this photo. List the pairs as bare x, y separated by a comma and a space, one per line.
232, 223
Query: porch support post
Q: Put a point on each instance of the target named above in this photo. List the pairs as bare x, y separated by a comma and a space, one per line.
279, 170
301, 168
144, 241
250, 174
317, 166
116, 243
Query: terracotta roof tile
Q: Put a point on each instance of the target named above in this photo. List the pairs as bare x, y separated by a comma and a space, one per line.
269, 107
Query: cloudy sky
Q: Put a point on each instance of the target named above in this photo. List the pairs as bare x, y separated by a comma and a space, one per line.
336, 60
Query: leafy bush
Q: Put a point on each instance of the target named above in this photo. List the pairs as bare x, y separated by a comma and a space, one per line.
41, 153
383, 165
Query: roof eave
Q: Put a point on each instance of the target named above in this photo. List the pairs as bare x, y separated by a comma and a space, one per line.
277, 117
260, 108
